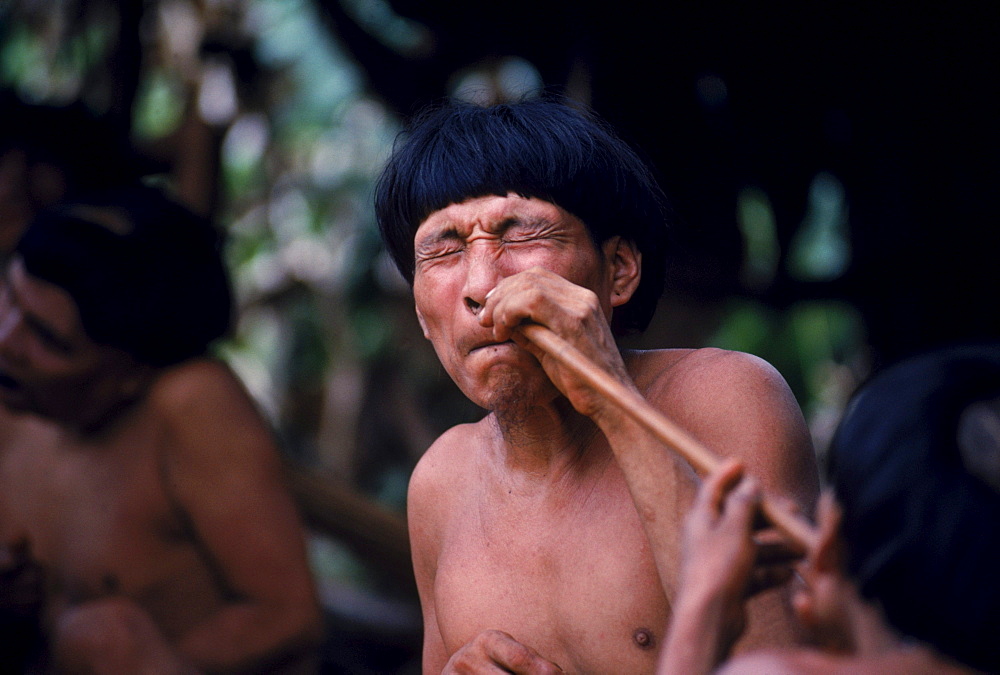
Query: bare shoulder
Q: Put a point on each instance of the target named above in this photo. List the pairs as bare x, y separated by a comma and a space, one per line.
739, 405
699, 383
709, 370
438, 487
207, 414
195, 383
443, 468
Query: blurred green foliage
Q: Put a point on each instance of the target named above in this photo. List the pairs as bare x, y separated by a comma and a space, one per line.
327, 341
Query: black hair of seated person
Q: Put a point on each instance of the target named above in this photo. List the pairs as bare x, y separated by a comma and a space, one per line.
922, 526
146, 273
546, 148
88, 149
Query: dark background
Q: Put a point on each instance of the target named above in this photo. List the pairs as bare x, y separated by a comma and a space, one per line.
892, 111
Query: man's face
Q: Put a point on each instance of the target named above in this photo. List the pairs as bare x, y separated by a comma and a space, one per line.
462, 252
48, 365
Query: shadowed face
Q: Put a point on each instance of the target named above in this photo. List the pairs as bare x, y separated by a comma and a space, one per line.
462, 252
48, 364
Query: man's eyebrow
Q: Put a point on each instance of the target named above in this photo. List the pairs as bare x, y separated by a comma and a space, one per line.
509, 222
449, 232
445, 233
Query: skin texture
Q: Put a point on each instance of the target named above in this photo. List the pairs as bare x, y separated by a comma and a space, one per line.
724, 563
546, 536
152, 502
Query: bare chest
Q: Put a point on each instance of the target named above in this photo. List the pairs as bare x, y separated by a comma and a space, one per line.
581, 589
96, 517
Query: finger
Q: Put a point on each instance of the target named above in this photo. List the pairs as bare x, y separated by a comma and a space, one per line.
716, 485
741, 506
541, 296
512, 304
828, 513
516, 657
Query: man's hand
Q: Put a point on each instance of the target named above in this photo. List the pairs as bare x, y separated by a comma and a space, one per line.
112, 635
724, 563
495, 651
722, 557
570, 311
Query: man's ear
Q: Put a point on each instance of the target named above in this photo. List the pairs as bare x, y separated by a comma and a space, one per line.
624, 267
423, 324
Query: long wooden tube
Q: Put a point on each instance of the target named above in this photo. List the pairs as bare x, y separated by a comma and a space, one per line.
792, 525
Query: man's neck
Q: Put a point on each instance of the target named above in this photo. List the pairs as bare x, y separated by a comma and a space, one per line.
545, 443
104, 412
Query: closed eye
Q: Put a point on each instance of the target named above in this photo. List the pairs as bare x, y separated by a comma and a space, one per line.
438, 249
531, 231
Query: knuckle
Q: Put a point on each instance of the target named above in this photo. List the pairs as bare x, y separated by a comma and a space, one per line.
520, 658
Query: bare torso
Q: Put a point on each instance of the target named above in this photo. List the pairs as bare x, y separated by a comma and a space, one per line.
566, 572
98, 517
564, 565
174, 514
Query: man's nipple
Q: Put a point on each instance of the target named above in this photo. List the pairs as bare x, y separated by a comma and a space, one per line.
644, 638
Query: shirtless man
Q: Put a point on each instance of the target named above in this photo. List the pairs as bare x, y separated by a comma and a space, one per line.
141, 493
902, 578
536, 544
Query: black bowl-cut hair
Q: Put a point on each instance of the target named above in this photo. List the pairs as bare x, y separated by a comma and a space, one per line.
545, 148
146, 273
921, 513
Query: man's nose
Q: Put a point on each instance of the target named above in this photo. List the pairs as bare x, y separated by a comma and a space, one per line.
483, 271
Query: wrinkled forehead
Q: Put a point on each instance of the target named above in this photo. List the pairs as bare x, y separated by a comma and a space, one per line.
489, 213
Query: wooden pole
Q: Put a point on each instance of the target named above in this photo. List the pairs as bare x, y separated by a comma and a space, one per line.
792, 525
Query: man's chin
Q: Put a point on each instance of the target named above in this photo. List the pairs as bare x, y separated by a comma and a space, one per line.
514, 396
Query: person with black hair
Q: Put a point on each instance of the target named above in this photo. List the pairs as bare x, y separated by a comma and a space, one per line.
47, 155
144, 522
538, 535
902, 578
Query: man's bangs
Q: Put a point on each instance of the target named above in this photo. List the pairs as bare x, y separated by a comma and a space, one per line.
461, 171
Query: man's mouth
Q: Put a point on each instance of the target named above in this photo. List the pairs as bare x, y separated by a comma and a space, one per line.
487, 345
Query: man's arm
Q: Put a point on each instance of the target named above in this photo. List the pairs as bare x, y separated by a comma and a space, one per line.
740, 407
225, 473
425, 503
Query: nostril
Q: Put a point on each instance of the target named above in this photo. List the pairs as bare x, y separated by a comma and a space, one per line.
473, 306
